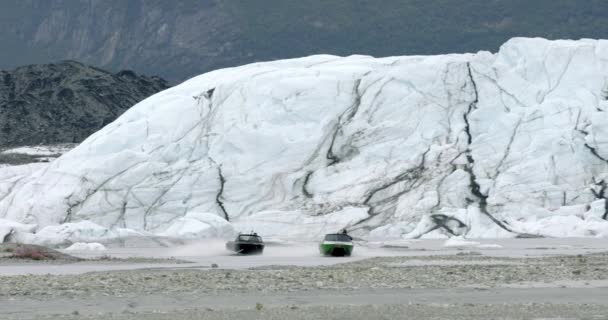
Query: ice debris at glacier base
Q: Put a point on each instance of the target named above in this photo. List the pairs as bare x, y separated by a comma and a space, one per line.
460, 241
84, 246
483, 145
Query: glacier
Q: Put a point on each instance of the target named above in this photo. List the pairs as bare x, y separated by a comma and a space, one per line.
483, 145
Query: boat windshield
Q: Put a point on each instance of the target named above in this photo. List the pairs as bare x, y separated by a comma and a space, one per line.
249, 238
338, 237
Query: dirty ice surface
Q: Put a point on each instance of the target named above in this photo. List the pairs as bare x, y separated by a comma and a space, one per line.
482, 145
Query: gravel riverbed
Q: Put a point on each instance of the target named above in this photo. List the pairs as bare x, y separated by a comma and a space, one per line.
536, 311
419, 286
386, 272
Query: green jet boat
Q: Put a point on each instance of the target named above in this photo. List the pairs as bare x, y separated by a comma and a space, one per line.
336, 245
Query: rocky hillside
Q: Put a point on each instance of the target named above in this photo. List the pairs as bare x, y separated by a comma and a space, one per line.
482, 145
65, 102
179, 39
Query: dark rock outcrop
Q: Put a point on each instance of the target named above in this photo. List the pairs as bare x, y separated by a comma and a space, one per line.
65, 102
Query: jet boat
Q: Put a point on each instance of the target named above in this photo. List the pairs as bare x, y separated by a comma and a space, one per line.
246, 243
336, 245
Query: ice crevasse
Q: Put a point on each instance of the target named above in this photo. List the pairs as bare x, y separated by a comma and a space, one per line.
478, 145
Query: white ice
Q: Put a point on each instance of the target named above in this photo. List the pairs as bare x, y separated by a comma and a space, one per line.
479, 145
41, 150
459, 241
84, 247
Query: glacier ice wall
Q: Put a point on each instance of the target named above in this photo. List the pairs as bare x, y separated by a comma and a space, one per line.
483, 145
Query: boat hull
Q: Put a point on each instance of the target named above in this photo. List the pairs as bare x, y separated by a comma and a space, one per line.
336, 249
245, 248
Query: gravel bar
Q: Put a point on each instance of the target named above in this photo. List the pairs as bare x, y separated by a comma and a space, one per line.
289, 292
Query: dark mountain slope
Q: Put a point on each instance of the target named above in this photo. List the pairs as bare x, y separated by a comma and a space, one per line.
181, 38
65, 102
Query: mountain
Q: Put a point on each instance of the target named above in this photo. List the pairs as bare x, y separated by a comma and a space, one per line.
513, 144
65, 102
182, 38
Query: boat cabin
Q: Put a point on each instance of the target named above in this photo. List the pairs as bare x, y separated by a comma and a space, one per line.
338, 237
249, 238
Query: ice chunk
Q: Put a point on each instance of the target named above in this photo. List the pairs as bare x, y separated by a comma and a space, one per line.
459, 241
82, 246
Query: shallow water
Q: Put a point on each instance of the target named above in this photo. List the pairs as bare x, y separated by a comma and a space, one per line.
205, 253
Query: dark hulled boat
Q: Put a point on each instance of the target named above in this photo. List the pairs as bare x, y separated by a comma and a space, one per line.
250, 243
